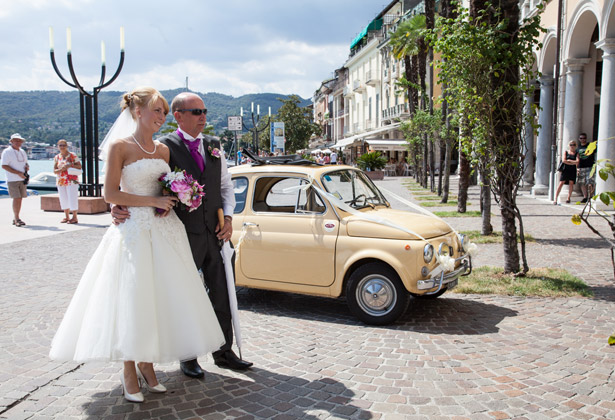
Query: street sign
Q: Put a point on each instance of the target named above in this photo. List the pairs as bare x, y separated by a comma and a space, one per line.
234, 123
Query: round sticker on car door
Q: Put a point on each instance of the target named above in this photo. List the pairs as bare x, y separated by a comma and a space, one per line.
329, 227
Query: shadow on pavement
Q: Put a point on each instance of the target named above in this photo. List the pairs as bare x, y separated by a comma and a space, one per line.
432, 316
264, 395
579, 243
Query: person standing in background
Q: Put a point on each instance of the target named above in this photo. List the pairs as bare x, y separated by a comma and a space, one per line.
586, 163
15, 163
68, 184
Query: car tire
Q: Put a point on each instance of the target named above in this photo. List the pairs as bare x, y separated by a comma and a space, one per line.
375, 294
433, 296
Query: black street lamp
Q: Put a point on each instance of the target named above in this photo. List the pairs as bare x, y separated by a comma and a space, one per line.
88, 109
255, 130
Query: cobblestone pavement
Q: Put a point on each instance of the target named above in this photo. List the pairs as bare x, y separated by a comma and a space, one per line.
455, 357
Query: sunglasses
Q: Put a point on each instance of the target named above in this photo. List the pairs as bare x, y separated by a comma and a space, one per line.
195, 111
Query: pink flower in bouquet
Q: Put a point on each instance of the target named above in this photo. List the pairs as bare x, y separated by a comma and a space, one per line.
184, 187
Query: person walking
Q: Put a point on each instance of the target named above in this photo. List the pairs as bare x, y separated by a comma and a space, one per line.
15, 163
202, 157
586, 163
67, 181
568, 174
140, 299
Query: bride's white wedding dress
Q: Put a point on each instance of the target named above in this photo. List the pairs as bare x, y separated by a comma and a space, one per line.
140, 297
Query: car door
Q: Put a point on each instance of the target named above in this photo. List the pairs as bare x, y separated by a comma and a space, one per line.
289, 234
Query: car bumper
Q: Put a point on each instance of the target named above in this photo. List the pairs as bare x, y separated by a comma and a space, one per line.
447, 279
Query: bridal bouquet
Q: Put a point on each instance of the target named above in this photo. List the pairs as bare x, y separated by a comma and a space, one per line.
184, 187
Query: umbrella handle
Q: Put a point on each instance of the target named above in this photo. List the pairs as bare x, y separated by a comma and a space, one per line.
221, 218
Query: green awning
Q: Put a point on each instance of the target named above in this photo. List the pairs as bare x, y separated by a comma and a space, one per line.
374, 25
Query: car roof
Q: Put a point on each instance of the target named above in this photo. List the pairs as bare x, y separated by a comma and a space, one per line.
314, 170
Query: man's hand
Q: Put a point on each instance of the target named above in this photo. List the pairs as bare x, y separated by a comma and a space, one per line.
225, 233
119, 214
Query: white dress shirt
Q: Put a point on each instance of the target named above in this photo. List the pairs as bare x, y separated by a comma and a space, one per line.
226, 184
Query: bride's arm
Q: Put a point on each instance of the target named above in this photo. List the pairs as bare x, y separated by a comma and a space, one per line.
113, 174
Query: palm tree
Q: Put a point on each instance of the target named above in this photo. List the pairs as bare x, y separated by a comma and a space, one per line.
407, 43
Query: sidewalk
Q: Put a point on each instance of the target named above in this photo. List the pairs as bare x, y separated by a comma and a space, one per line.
41, 223
456, 357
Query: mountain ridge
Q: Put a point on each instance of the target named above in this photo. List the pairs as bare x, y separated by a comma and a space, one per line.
48, 115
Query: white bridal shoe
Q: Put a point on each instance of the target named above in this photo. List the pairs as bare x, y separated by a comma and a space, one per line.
136, 397
159, 389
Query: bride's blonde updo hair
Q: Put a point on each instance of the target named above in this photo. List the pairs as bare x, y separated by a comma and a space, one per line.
142, 97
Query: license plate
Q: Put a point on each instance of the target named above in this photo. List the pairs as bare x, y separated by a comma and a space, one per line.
452, 285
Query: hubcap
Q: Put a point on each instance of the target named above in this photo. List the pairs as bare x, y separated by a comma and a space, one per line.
376, 295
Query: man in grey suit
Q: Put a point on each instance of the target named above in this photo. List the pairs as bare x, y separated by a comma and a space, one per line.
200, 156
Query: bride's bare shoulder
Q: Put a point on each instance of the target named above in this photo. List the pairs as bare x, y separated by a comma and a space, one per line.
163, 149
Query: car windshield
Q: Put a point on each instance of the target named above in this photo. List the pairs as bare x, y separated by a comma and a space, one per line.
353, 188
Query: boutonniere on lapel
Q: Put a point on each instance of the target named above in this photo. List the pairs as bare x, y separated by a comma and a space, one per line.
214, 152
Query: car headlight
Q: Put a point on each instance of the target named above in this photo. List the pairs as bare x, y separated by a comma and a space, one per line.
463, 239
428, 253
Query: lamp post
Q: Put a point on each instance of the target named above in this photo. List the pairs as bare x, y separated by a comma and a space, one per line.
88, 110
255, 130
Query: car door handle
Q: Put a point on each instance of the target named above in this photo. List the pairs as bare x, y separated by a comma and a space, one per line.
250, 224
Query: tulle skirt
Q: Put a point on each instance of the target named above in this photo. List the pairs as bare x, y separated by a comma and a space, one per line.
140, 298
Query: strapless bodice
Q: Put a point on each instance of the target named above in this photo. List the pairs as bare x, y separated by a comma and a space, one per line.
141, 177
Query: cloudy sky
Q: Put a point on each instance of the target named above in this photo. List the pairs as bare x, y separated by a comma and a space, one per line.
233, 47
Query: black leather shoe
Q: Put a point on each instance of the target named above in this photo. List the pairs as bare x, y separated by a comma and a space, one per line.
191, 368
229, 360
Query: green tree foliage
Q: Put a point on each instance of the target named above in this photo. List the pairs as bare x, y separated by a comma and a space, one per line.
487, 62
298, 125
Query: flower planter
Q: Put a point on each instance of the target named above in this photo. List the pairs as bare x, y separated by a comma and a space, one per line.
375, 175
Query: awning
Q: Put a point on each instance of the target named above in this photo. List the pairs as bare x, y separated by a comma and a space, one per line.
349, 140
374, 25
387, 144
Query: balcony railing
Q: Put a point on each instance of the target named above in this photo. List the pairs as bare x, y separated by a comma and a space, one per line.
357, 86
396, 111
371, 77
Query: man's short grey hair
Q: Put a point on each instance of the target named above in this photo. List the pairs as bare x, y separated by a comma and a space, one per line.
180, 100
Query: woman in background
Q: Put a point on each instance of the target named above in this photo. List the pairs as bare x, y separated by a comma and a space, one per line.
64, 163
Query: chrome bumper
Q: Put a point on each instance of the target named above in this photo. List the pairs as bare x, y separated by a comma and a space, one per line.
444, 278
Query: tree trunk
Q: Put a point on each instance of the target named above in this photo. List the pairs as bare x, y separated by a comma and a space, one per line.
485, 204
464, 182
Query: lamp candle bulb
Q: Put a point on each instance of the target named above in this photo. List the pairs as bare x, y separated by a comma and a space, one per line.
51, 38
270, 111
102, 52
252, 107
241, 111
258, 110
122, 38
69, 43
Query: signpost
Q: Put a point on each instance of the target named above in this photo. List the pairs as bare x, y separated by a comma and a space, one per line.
235, 124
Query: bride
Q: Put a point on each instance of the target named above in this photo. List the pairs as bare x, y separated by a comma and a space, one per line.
140, 298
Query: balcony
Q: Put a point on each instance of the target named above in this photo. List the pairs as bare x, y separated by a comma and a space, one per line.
397, 111
347, 92
357, 86
355, 127
371, 78
368, 124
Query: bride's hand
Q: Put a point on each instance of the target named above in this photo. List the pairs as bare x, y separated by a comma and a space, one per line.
165, 203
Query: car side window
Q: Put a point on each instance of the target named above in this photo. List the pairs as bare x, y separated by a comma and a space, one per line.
284, 195
240, 188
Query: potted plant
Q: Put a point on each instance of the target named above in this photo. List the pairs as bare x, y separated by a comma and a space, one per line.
373, 164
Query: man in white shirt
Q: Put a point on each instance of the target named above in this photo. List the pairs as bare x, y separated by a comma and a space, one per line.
15, 163
333, 158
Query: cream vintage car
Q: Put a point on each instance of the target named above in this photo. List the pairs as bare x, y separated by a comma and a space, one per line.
329, 231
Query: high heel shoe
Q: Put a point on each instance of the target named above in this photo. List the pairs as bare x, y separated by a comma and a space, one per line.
158, 389
136, 397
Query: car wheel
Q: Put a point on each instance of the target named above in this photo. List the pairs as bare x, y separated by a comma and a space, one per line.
375, 294
434, 296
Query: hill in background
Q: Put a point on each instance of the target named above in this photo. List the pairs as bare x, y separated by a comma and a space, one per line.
47, 116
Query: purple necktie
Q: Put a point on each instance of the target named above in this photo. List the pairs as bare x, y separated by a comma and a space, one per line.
193, 146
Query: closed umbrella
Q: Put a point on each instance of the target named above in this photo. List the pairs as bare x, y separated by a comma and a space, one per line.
227, 257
